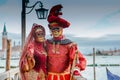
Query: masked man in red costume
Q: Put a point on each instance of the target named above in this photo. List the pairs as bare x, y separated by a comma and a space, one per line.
33, 57
61, 51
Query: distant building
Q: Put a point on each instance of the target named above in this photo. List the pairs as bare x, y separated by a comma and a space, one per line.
4, 38
15, 49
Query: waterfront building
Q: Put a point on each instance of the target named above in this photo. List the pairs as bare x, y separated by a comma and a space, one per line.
4, 38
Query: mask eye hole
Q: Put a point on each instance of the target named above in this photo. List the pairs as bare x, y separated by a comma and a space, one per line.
55, 29
39, 34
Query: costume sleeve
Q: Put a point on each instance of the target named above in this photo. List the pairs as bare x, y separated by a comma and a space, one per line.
30, 49
81, 61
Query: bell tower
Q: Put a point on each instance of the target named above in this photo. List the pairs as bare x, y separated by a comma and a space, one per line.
4, 38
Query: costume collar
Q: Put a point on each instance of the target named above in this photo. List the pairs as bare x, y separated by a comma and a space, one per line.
62, 41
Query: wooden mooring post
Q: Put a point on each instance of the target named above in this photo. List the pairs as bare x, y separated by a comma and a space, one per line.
94, 71
8, 56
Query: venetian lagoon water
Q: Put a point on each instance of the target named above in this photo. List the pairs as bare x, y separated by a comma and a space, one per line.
88, 73
100, 70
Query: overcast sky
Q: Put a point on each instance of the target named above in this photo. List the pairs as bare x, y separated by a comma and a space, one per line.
88, 18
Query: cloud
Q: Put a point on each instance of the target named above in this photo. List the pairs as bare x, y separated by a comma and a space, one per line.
107, 20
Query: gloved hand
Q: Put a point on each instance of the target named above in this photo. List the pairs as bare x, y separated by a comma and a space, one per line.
25, 66
77, 75
76, 72
31, 62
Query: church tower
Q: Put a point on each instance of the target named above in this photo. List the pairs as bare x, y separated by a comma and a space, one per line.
4, 38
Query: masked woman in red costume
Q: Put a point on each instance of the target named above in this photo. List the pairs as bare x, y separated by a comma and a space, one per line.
61, 51
33, 58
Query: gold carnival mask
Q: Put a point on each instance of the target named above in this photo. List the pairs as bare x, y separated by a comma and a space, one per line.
56, 31
39, 35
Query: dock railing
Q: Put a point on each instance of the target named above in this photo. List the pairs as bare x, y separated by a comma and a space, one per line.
12, 74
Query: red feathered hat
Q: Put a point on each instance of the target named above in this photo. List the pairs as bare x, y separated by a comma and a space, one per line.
55, 10
54, 19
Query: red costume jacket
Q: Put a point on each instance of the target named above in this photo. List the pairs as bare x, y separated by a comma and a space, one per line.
60, 57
